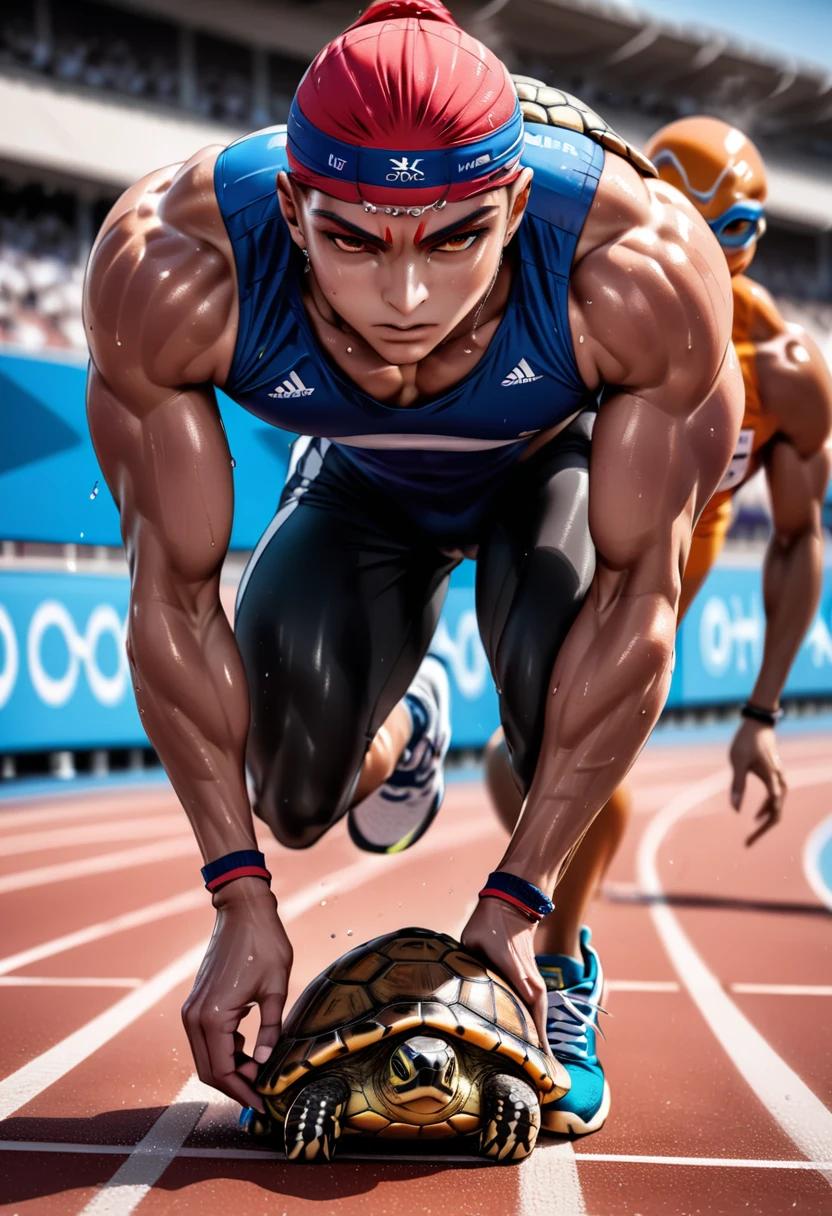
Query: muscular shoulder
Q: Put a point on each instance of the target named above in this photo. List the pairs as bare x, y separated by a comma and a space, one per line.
756, 316
160, 292
792, 375
650, 301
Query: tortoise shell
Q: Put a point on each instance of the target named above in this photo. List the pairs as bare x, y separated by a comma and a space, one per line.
407, 981
555, 108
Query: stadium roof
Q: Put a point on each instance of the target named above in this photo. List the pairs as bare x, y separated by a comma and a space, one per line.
622, 51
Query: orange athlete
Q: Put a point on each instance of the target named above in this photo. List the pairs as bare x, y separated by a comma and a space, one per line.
785, 430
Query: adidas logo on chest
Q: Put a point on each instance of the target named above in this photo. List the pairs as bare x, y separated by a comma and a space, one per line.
522, 374
293, 387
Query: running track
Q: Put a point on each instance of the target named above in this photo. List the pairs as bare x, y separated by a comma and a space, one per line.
718, 1049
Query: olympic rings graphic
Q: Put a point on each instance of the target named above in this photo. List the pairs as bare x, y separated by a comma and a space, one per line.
56, 691
8, 676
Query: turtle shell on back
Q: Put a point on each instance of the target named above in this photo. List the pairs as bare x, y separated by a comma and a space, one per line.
405, 981
555, 108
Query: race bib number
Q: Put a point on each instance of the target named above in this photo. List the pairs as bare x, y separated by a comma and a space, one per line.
738, 467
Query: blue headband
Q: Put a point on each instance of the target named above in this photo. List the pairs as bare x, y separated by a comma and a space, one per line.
751, 212
387, 168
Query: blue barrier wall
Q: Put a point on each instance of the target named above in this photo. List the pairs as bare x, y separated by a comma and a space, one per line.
51, 488
64, 681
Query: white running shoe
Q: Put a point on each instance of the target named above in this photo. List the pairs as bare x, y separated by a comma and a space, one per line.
401, 810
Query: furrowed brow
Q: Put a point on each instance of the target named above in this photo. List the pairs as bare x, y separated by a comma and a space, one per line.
436, 238
352, 229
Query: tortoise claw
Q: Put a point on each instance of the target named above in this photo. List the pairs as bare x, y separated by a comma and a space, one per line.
313, 1121
510, 1119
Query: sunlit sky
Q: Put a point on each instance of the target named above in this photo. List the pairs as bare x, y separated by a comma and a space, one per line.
801, 28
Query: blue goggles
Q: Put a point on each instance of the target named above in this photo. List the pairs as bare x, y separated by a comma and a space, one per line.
737, 227
386, 167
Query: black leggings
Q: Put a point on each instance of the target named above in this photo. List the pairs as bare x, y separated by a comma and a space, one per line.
340, 599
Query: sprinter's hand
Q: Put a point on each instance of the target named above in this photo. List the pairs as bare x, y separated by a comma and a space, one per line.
247, 963
754, 750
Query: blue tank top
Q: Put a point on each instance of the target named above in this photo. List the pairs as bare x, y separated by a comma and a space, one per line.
443, 460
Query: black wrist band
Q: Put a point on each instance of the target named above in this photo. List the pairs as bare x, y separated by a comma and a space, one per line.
756, 713
245, 863
524, 896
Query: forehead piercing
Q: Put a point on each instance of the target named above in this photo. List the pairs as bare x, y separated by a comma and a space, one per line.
370, 209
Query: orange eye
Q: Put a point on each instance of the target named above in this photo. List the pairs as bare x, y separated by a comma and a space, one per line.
457, 244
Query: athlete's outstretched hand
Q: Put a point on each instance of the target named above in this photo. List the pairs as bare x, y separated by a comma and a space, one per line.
754, 750
504, 937
247, 963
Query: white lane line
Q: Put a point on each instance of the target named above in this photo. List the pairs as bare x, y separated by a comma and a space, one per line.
103, 928
549, 1183
266, 1155
815, 844
44, 1070
799, 1112
641, 986
93, 833
783, 989
102, 864
731, 1163
60, 981
150, 1158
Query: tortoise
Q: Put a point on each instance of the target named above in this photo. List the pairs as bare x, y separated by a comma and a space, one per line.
553, 107
405, 1037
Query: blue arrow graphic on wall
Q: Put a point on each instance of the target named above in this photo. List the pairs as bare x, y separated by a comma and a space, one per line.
29, 430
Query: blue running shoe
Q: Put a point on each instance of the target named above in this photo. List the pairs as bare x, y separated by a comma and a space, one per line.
400, 811
574, 996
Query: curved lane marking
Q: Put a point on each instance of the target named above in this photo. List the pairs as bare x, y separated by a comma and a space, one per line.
817, 862
798, 1111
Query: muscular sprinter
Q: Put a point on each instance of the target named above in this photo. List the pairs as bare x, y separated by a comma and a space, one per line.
785, 430
436, 293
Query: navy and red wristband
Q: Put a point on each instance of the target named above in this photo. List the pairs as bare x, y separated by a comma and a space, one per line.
524, 896
245, 863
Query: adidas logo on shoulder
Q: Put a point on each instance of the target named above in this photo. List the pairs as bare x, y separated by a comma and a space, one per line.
293, 387
522, 374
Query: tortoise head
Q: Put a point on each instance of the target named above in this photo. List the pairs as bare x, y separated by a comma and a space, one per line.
422, 1075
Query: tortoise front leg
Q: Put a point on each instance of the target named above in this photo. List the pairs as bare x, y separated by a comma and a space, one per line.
510, 1118
313, 1121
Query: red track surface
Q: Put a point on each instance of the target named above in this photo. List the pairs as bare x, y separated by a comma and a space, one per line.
78, 1104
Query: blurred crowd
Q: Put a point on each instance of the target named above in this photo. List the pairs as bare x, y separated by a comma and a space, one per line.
41, 275
142, 58
102, 60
